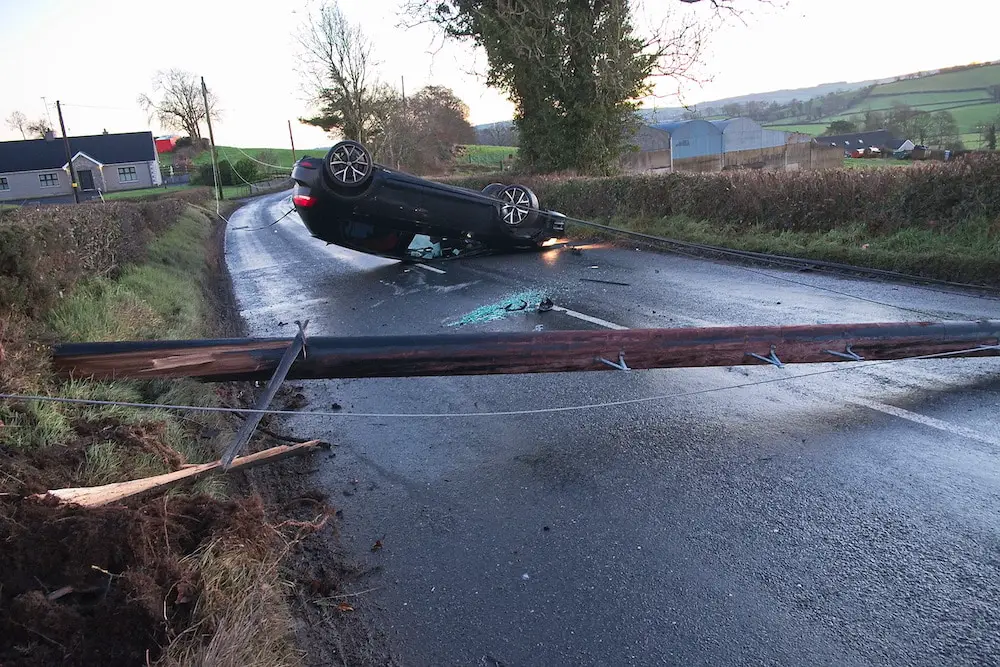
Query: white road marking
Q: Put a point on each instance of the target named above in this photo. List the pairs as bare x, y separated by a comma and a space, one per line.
588, 318
286, 305
940, 425
430, 268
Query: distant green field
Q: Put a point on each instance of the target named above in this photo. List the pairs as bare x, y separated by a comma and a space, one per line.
965, 94
486, 155
969, 117
813, 129
977, 77
278, 157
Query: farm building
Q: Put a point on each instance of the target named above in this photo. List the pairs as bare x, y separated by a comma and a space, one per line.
695, 145
652, 150
744, 134
166, 143
859, 141
699, 145
37, 168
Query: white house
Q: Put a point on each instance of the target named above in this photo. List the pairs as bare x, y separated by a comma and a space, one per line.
37, 168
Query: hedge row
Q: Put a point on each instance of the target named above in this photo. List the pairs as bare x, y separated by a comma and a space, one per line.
46, 250
885, 199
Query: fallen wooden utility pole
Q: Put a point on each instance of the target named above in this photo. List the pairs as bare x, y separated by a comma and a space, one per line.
95, 496
537, 352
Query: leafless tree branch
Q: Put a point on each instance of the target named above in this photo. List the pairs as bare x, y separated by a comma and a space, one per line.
177, 102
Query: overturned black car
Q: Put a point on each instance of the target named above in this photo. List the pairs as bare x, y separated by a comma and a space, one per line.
348, 200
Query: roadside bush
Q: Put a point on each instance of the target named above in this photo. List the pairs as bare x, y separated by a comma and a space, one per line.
248, 170
884, 200
188, 142
206, 176
45, 251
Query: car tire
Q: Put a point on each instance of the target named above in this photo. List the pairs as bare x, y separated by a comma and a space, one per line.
349, 166
518, 206
493, 189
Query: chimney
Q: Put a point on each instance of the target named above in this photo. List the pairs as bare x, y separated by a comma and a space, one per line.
50, 135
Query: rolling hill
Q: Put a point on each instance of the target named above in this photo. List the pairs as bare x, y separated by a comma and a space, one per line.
971, 94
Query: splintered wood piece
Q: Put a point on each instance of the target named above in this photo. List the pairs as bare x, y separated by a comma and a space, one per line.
95, 496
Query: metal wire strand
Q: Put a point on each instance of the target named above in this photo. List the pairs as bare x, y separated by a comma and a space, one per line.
498, 413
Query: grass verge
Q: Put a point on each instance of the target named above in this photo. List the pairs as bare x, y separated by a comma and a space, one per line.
967, 251
191, 577
228, 192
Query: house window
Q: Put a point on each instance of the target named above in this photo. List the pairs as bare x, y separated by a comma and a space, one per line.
127, 175
48, 180
3, 184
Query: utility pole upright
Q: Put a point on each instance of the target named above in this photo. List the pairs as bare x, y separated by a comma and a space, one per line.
69, 155
211, 139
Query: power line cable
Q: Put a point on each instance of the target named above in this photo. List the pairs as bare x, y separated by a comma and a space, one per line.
778, 259
252, 158
798, 262
498, 413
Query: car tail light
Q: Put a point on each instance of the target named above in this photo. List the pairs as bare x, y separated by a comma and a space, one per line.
305, 201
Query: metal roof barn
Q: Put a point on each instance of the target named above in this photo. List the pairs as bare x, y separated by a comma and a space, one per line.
692, 138
744, 134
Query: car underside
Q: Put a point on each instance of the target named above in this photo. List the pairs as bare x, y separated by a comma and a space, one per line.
346, 199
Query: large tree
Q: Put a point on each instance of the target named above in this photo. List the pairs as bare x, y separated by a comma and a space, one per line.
574, 69
339, 64
942, 130
421, 133
177, 102
841, 127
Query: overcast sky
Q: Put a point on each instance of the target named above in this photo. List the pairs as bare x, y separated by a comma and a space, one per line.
98, 57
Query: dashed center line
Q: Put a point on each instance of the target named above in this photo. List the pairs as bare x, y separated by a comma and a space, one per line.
589, 318
430, 268
917, 418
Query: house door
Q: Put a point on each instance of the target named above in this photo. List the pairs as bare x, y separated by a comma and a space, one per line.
86, 177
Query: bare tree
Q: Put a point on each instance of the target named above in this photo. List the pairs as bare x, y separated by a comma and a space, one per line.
17, 121
39, 128
340, 66
177, 102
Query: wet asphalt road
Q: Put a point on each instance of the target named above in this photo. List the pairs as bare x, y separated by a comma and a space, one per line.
848, 518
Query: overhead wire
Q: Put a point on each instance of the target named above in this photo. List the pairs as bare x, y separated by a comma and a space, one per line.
778, 259
494, 413
253, 159
796, 262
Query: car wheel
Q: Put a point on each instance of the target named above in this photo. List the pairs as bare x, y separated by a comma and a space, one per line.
349, 165
519, 205
493, 189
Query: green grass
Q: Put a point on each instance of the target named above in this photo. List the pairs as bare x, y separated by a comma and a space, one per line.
109, 462
144, 192
968, 251
813, 129
922, 101
968, 118
279, 157
965, 94
228, 191
486, 155
977, 77
160, 298
875, 163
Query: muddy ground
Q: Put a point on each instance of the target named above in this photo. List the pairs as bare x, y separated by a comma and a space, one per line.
115, 585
